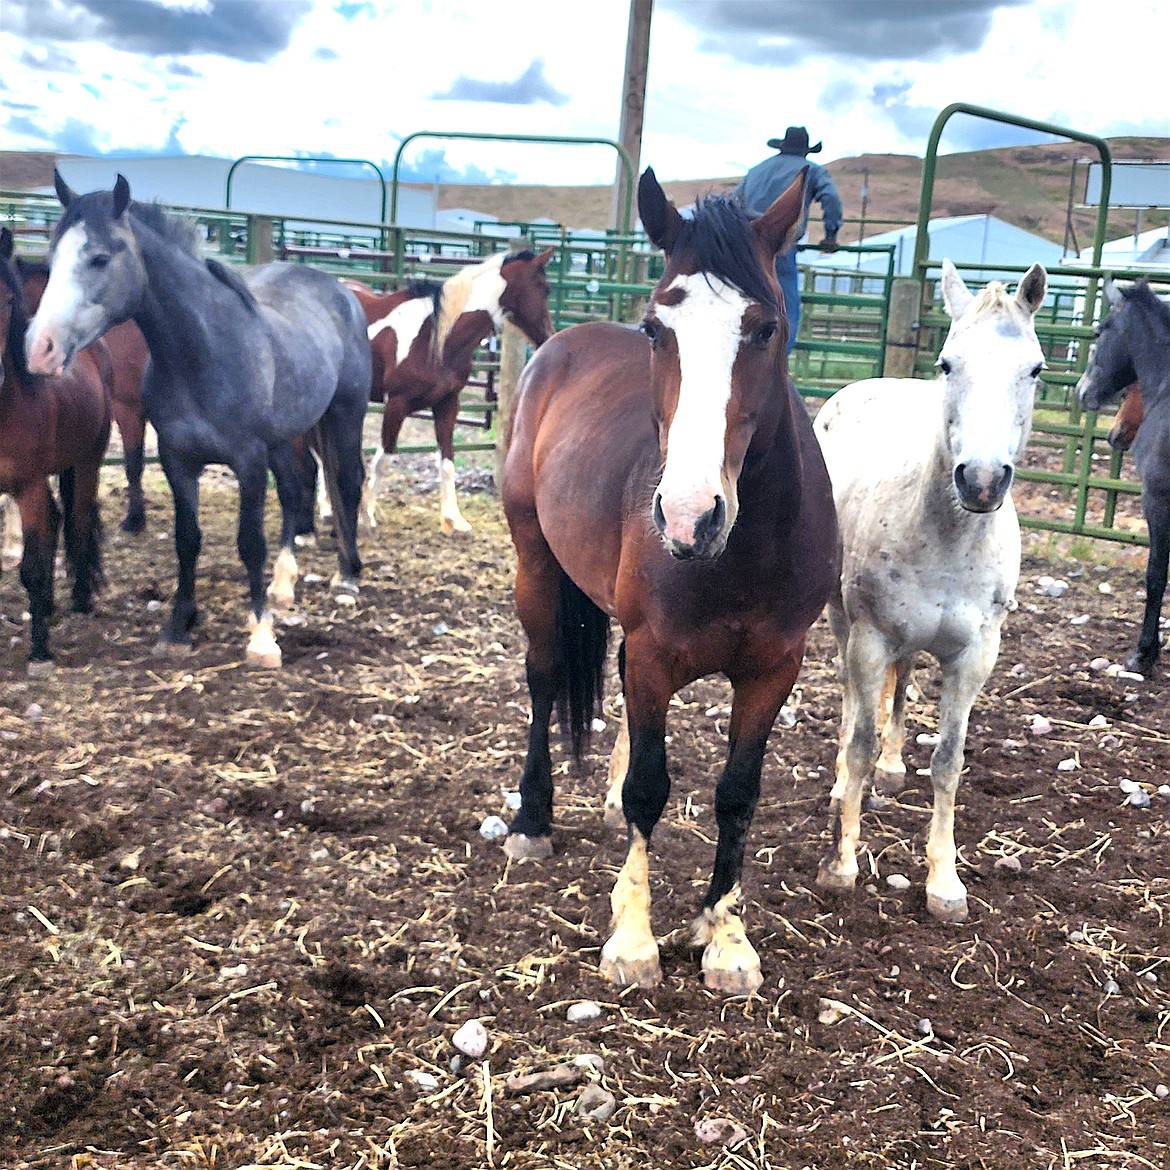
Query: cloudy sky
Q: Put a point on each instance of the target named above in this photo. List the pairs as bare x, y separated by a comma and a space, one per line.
352, 78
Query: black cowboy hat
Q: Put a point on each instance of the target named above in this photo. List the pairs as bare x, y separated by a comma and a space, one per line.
795, 141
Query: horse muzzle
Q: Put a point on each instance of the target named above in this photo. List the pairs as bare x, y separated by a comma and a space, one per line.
45, 355
983, 487
689, 537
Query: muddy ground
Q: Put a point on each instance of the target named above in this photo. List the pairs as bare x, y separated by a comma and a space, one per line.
242, 914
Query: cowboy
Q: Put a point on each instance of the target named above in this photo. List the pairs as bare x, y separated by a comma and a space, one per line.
768, 180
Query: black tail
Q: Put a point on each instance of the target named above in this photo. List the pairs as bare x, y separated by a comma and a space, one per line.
83, 557
582, 647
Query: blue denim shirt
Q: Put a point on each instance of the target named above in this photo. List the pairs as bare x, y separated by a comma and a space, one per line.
768, 180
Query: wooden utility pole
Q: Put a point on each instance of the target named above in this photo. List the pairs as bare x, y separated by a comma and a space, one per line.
633, 101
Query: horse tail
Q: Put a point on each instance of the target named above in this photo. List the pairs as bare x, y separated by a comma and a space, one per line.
83, 554
582, 647
322, 445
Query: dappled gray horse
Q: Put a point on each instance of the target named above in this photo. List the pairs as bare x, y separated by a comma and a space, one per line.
239, 366
930, 552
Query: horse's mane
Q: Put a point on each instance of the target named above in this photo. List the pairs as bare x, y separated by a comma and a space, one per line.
993, 300
456, 291
1141, 294
184, 234
17, 322
721, 242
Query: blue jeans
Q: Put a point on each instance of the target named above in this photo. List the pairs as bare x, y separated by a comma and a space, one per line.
790, 289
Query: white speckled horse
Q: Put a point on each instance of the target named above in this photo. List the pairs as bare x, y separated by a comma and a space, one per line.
922, 472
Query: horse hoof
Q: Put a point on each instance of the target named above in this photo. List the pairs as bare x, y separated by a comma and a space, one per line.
133, 525
10, 561
282, 602
632, 972
615, 817
886, 783
267, 659
946, 909
742, 982
829, 879
520, 847
1140, 664
167, 649
345, 584
458, 527
42, 668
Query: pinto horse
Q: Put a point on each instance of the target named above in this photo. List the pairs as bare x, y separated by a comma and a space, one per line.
670, 478
1133, 344
239, 367
50, 426
922, 473
423, 339
128, 357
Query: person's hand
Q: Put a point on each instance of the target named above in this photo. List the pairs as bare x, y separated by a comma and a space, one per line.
828, 244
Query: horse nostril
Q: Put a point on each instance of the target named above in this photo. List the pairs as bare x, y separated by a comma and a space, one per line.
961, 474
710, 524
659, 515
1005, 480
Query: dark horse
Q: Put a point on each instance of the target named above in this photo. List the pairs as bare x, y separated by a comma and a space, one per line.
128, 357
423, 339
1133, 344
238, 368
670, 478
48, 426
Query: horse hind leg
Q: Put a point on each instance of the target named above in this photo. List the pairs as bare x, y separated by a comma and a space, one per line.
619, 760
451, 520
262, 649
83, 532
283, 463
1156, 504
337, 443
183, 480
890, 771
40, 521
12, 546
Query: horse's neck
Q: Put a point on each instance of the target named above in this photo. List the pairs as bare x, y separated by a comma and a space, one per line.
173, 312
1151, 363
464, 337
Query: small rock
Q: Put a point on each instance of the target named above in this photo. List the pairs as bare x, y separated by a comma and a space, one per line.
344, 599
493, 828
424, 1080
927, 739
591, 1062
1110, 987
1164, 789
579, 1012
1069, 765
1149, 977
925, 1027
1040, 725
1139, 799
723, 1130
439, 629
597, 725
153, 606
1019, 670
1099, 664
557, 1077
1075, 936
1104, 587
312, 578
1098, 721
596, 1104
898, 881
1010, 863
1162, 1092
831, 1010
1128, 786
512, 800
1080, 620
471, 1039
1132, 675
1108, 742
1011, 745
34, 712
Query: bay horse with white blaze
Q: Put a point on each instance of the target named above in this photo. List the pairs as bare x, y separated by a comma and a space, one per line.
239, 367
670, 478
423, 340
922, 473
50, 426
1133, 344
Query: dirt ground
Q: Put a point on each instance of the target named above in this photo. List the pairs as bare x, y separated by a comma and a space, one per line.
242, 914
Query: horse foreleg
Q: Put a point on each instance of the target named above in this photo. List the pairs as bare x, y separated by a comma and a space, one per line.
132, 427
262, 649
963, 679
445, 412
1156, 505
865, 661
630, 954
890, 770
393, 416
83, 531
12, 548
619, 760
341, 471
283, 462
183, 478
40, 521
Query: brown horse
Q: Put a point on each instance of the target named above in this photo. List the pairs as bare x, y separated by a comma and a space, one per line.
423, 339
670, 478
128, 357
48, 426
1127, 420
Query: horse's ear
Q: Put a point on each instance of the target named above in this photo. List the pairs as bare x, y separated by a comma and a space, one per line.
779, 227
956, 296
7, 243
1033, 287
64, 192
545, 257
121, 196
660, 217
1113, 294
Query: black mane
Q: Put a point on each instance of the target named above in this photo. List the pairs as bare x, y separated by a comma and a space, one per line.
720, 238
1142, 295
18, 321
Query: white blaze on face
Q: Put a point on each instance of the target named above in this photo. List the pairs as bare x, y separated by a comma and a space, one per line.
707, 326
406, 321
66, 319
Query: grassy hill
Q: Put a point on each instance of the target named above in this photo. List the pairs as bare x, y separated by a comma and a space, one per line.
1026, 186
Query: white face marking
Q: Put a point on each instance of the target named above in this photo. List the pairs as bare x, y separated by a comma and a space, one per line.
406, 321
64, 311
707, 327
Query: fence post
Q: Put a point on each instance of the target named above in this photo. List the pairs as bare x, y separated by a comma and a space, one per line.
902, 328
513, 347
261, 249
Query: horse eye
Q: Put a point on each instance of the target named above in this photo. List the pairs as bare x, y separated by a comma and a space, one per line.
650, 328
944, 365
1036, 369
99, 261
765, 333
